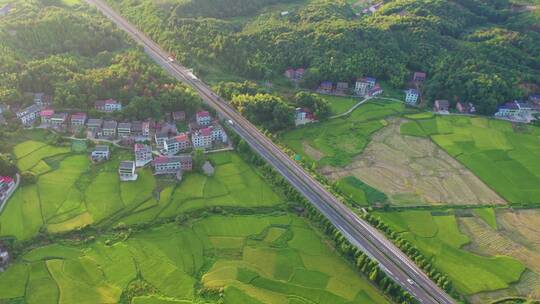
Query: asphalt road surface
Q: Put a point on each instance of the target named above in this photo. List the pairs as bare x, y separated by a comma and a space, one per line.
394, 262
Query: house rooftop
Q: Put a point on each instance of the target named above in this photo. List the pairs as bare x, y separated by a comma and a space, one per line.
141, 147
95, 121
110, 124
80, 115
203, 114
205, 131
105, 102
102, 148
124, 125
127, 164
6, 179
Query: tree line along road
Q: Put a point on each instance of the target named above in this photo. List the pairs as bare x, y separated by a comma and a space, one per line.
394, 262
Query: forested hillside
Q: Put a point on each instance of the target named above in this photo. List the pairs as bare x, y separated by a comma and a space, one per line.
485, 52
70, 54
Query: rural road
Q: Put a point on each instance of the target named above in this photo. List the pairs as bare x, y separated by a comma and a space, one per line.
394, 262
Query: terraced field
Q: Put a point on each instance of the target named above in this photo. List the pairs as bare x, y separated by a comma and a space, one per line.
254, 259
268, 256
437, 235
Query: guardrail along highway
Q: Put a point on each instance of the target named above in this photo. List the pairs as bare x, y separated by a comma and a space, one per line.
394, 262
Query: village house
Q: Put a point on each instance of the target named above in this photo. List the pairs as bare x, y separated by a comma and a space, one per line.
303, 116
136, 128
59, 120
100, 153
109, 128
202, 138
208, 169
342, 87
419, 76
411, 96
78, 120
176, 144
465, 107
6, 186
372, 8
143, 154
376, 90
146, 128
203, 118
178, 116
29, 114
94, 124
46, 115
218, 134
295, 74
326, 87
160, 138
518, 111
124, 129
109, 105
363, 85
126, 171
172, 164
42, 99
441, 106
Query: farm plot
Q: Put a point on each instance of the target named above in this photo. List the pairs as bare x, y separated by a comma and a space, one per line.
21, 217
336, 142
276, 258
414, 171
439, 238
234, 184
28, 161
504, 158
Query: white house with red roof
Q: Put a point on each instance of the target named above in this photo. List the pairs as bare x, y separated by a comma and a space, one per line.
363, 85
78, 120
108, 105
203, 118
46, 115
176, 144
202, 138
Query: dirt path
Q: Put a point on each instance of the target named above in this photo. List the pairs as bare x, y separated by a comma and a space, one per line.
414, 171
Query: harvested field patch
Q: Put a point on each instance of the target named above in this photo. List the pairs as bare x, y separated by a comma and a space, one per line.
414, 171
505, 159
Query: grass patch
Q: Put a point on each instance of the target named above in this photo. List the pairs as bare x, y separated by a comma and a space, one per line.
488, 215
341, 139
360, 192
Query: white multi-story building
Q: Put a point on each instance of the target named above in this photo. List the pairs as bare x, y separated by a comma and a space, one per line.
364, 84
172, 164
203, 118
29, 114
109, 105
101, 153
202, 138
411, 96
126, 170
218, 134
176, 144
143, 154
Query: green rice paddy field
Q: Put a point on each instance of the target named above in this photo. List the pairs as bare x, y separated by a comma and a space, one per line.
256, 258
504, 157
436, 235
337, 141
